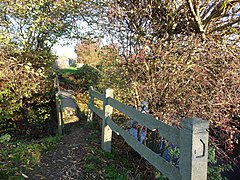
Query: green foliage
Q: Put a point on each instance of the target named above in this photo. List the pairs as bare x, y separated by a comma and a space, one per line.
174, 152
5, 138
214, 171
18, 156
36, 25
94, 159
113, 74
97, 165
109, 155
89, 168
159, 176
113, 173
81, 78
212, 156
26, 92
67, 71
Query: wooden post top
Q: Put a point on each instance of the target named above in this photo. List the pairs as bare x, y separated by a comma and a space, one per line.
195, 124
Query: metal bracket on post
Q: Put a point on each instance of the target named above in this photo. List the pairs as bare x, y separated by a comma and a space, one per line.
193, 149
203, 150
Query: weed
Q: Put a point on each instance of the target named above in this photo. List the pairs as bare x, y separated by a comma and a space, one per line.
113, 173
159, 176
214, 171
5, 138
108, 155
89, 168
94, 159
16, 157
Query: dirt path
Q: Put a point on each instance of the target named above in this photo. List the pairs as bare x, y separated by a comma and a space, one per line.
60, 162
78, 155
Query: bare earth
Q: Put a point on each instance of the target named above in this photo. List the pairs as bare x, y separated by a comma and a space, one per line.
60, 163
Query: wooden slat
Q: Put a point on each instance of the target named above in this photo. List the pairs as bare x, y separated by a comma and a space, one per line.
168, 132
57, 83
97, 95
99, 112
167, 169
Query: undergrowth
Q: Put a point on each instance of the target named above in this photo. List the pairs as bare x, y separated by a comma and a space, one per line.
122, 163
18, 156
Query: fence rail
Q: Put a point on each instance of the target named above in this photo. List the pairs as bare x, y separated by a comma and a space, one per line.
58, 106
191, 138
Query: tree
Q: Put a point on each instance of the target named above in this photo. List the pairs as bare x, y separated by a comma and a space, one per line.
38, 24
179, 57
88, 52
156, 19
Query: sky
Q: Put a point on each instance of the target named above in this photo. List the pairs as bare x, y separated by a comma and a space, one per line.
66, 47
65, 50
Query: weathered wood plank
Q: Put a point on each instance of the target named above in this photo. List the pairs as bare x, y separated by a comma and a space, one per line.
168, 132
59, 113
90, 101
99, 112
106, 130
97, 95
167, 169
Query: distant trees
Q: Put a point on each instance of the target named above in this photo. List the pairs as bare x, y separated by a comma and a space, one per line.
88, 52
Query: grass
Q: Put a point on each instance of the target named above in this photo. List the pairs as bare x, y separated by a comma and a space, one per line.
119, 164
19, 156
70, 70
89, 168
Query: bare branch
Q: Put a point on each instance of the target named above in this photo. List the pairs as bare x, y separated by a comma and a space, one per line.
226, 25
197, 18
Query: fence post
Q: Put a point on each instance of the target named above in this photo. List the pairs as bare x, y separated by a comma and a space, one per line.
58, 106
106, 130
194, 149
59, 114
90, 102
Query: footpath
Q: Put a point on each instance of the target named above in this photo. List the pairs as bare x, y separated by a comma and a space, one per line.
78, 155
64, 161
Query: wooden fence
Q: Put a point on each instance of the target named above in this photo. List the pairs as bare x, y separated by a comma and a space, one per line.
58, 106
191, 138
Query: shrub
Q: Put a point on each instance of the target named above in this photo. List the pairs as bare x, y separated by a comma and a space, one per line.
82, 78
186, 78
26, 93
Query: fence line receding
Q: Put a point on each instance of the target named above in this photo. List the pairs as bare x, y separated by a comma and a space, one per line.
191, 138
